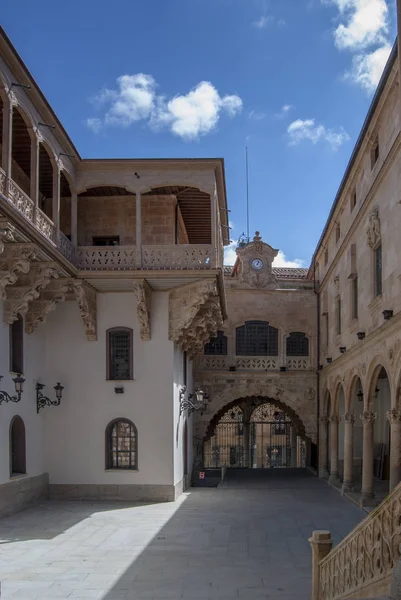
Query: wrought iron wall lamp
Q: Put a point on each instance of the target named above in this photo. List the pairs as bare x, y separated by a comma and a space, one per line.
18, 382
42, 401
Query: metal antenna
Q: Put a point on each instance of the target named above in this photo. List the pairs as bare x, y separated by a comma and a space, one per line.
247, 193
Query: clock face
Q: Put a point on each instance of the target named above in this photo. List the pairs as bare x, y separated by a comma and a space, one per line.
257, 264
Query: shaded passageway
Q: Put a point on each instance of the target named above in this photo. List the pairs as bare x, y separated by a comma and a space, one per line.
210, 544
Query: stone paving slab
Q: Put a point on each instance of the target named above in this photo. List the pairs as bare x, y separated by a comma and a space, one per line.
212, 544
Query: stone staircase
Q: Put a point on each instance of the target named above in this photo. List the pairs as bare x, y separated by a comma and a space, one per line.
366, 563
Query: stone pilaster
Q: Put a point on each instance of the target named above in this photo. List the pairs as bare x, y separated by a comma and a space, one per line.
368, 419
334, 476
394, 417
348, 480
323, 449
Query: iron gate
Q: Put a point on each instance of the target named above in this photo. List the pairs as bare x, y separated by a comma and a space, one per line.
262, 442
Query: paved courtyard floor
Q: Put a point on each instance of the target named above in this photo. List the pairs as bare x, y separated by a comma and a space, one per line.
247, 541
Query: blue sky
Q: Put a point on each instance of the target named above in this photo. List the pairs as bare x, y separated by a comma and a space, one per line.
290, 79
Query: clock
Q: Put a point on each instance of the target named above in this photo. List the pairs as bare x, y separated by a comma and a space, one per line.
257, 264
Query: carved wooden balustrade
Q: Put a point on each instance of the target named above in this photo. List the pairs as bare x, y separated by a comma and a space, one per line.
181, 256
361, 565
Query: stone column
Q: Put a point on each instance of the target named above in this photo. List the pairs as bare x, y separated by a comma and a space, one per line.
334, 478
138, 230
74, 219
34, 188
323, 450
394, 417
56, 196
321, 544
294, 448
348, 483
6, 159
368, 419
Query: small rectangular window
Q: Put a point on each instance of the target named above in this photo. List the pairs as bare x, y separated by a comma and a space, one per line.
327, 340
338, 316
353, 200
338, 233
16, 340
106, 241
119, 351
326, 257
375, 152
355, 298
378, 271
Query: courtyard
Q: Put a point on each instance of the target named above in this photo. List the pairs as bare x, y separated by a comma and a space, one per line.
247, 539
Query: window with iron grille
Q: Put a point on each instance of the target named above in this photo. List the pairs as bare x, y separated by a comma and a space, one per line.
119, 354
217, 346
121, 445
256, 338
378, 271
16, 340
297, 344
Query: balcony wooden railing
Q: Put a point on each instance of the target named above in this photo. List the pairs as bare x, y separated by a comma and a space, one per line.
361, 565
181, 256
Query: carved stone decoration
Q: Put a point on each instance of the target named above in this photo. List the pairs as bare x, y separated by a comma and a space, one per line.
310, 394
373, 229
349, 418
368, 417
6, 234
143, 293
18, 298
334, 419
394, 415
49, 298
86, 297
15, 259
336, 282
255, 264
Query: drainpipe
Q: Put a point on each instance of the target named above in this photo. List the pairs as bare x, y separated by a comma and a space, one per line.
317, 365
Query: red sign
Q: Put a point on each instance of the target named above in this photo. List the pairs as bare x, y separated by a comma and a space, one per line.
201, 475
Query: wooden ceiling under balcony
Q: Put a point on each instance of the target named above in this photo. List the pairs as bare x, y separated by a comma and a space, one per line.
195, 210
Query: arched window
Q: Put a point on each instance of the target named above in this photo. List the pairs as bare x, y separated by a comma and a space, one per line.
17, 447
217, 346
256, 338
119, 353
121, 445
297, 344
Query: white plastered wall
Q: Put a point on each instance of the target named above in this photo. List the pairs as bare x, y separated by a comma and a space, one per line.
34, 363
75, 431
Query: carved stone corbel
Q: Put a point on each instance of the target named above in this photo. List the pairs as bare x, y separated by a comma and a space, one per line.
49, 298
6, 234
185, 303
15, 259
18, 298
85, 296
143, 293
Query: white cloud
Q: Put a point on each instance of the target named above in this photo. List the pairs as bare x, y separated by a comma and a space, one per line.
94, 124
230, 257
188, 116
368, 68
284, 111
365, 22
256, 115
307, 129
263, 21
281, 261
363, 27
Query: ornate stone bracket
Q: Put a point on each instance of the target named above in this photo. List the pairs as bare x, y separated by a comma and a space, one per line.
18, 298
85, 295
143, 293
49, 298
6, 233
15, 259
194, 315
373, 229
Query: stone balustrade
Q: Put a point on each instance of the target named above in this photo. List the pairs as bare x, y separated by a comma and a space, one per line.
105, 258
251, 363
361, 565
181, 256
20, 200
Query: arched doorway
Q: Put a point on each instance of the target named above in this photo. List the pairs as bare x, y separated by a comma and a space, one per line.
255, 433
17, 447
